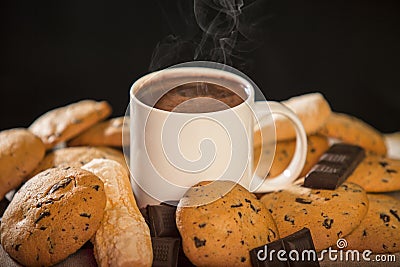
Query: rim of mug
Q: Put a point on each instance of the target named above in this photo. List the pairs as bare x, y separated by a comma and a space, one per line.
138, 84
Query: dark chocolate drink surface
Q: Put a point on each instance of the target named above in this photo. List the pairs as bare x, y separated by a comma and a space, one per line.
198, 97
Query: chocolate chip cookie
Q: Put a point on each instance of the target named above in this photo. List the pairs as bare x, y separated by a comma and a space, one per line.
52, 216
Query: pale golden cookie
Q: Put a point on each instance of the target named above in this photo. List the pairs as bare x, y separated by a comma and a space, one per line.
106, 133
78, 156
312, 109
329, 214
354, 131
377, 174
123, 238
284, 152
61, 124
380, 229
20, 153
222, 232
52, 216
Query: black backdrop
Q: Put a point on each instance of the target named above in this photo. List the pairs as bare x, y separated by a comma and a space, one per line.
56, 52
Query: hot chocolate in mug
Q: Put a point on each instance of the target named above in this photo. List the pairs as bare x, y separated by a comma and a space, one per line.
195, 122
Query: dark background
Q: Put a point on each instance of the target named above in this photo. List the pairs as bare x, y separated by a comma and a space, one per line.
56, 52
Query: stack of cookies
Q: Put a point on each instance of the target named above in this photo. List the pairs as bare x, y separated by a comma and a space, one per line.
75, 188
372, 226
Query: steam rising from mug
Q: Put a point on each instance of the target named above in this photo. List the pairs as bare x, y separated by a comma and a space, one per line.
215, 30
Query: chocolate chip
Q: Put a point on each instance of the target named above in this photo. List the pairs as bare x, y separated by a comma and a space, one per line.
248, 201
384, 246
383, 163
201, 225
394, 213
385, 218
253, 208
43, 228
384, 180
391, 171
96, 187
327, 223
240, 214
198, 242
312, 150
242, 242
242, 259
303, 200
61, 184
87, 215
42, 215
339, 234
17, 247
364, 233
237, 205
289, 219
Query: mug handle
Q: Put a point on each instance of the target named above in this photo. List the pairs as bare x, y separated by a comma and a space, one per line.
299, 158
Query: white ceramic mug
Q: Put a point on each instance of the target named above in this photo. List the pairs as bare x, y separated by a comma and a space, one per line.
172, 151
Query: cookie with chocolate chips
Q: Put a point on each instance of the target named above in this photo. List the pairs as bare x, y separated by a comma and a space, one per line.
106, 133
52, 216
61, 124
329, 214
380, 229
377, 174
354, 131
20, 153
221, 230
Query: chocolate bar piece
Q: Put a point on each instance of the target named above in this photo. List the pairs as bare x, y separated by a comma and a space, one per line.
295, 250
161, 219
334, 166
165, 251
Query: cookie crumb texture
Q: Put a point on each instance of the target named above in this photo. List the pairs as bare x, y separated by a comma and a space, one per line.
329, 214
52, 216
223, 232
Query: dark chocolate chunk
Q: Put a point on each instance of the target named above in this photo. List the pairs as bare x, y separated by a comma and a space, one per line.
395, 214
84, 214
299, 241
237, 205
334, 166
289, 219
42, 215
327, 223
303, 201
385, 218
165, 251
199, 242
61, 184
161, 220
